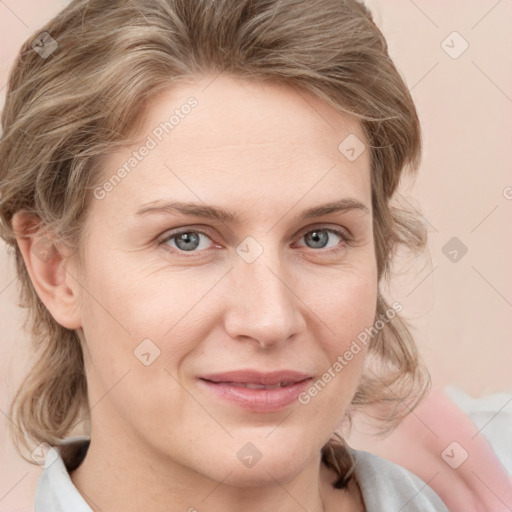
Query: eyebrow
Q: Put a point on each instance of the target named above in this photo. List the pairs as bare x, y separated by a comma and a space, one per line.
226, 216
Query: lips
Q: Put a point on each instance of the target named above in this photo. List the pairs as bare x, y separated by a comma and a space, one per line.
251, 385
257, 391
250, 378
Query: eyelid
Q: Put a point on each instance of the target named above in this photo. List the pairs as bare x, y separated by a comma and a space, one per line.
168, 235
342, 232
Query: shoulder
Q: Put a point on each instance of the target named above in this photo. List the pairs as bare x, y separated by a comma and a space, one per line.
55, 491
386, 486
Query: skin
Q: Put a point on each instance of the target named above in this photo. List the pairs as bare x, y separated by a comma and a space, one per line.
159, 441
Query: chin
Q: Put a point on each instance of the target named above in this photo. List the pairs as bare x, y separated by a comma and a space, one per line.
262, 463
263, 474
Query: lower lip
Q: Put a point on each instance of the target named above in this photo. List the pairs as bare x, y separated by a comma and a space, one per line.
257, 400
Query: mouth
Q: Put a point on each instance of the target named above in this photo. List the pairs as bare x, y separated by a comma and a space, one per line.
257, 391
276, 378
252, 385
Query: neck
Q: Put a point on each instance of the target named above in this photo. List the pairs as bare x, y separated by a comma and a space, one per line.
117, 474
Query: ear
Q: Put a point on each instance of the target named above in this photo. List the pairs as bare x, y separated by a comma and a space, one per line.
46, 266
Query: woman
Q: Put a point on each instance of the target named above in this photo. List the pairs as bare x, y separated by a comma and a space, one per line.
198, 194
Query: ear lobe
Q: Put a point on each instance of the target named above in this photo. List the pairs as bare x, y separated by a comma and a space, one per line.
46, 266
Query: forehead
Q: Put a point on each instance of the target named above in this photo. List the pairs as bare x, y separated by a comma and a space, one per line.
214, 137
230, 111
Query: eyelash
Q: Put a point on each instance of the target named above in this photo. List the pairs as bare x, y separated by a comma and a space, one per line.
345, 237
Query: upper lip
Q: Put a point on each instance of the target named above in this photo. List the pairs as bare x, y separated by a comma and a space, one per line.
256, 377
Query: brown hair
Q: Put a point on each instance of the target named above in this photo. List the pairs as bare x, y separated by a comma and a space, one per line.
65, 110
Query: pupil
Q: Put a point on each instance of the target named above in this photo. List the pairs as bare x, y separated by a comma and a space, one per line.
320, 235
185, 239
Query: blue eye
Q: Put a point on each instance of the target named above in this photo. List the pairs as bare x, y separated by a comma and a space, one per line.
192, 240
321, 237
186, 240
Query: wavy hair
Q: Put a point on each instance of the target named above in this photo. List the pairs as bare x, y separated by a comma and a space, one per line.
65, 110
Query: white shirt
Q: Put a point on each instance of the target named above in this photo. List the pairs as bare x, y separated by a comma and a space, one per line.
385, 486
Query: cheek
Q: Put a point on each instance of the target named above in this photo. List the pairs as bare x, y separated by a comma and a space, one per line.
130, 311
347, 308
346, 302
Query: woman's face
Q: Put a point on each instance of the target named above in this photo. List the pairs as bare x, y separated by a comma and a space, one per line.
261, 289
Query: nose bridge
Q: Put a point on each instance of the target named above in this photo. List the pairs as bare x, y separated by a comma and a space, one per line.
263, 305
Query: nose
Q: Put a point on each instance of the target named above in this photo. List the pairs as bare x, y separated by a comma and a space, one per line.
263, 305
